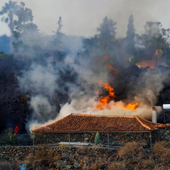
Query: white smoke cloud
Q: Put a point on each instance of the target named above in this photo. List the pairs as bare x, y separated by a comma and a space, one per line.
40, 79
145, 91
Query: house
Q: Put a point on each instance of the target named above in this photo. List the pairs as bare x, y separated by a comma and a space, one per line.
84, 126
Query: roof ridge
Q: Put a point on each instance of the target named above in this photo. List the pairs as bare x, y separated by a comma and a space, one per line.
144, 125
149, 121
81, 114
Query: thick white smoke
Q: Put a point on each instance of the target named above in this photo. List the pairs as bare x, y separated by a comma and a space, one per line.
43, 81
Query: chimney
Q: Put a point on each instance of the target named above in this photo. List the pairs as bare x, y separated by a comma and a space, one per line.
154, 115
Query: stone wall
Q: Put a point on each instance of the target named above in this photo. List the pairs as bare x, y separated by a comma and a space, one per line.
20, 153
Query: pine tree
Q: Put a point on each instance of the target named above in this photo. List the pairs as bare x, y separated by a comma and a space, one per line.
107, 33
58, 36
130, 47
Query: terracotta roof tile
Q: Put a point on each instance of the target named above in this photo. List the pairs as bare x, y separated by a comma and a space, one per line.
76, 123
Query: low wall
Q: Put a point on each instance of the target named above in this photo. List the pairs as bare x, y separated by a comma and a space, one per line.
20, 153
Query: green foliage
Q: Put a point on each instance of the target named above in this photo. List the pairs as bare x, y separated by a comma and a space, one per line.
158, 41
9, 137
97, 138
9, 9
130, 46
4, 56
107, 34
104, 42
19, 19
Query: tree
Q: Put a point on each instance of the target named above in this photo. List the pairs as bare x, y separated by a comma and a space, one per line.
10, 9
25, 31
58, 36
130, 47
90, 44
107, 33
24, 17
20, 24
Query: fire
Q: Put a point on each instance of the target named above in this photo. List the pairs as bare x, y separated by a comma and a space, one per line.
112, 68
146, 63
106, 57
105, 100
132, 106
16, 129
109, 89
149, 63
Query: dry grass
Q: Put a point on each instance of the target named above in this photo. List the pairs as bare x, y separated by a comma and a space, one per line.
44, 152
131, 150
116, 166
95, 166
160, 168
147, 164
161, 152
130, 156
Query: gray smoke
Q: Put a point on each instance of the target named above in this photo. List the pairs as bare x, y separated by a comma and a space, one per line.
42, 81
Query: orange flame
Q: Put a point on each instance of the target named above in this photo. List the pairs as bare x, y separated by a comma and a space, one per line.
105, 100
132, 106
112, 68
16, 129
106, 57
150, 64
146, 63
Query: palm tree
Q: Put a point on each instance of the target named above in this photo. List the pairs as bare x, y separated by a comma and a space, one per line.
8, 11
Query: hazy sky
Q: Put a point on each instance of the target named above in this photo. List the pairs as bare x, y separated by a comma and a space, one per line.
82, 17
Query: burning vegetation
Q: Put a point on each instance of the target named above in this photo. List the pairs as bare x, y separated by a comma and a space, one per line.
54, 75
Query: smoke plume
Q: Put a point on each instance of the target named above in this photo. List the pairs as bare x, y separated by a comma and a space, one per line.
45, 84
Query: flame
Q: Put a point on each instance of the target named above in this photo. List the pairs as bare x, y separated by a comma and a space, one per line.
132, 106
109, 89
112, 68
150, 64
16, 129
105, 100
106, 57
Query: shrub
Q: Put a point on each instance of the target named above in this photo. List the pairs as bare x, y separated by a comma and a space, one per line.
97, 138
147, 164
9, 137
44, 153
95, 166
131, 150
162, 152
116, 166
160, 168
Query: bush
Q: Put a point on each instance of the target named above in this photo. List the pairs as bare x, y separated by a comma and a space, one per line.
162, 152
147, 164
131, 150
44, 153
9, 137
97, 138
116, 166
160, 168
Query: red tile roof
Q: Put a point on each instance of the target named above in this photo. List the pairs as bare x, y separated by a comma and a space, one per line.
77, 123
